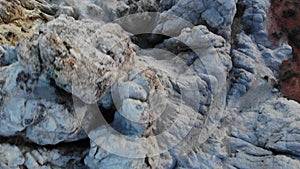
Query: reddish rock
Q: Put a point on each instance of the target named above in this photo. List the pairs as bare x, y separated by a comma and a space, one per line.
285, 26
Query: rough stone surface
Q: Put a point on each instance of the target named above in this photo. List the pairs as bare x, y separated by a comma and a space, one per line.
40, 111
85, 67
13, 157
217, 14
80, 91
20, 19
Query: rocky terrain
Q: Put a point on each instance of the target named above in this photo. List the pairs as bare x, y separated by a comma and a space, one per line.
152, 84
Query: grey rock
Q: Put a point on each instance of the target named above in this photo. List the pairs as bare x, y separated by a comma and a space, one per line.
254, 62
45, 120
14, 157
57, 125
212, 17
194, 101
274, 57
99, 158
64, 59
269, 121
218, 14
11, 157
52, 158
166, 96
7, 55
257, 157
11, 95
66, 10
242, 61
254, 19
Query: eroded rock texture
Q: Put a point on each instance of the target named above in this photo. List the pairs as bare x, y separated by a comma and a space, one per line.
143, 84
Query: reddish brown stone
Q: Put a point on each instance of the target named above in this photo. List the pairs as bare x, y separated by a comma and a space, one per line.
284, 25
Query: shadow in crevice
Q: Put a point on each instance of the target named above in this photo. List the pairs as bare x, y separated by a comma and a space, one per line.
148, 40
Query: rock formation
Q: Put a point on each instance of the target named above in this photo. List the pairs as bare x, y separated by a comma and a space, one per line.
143, 84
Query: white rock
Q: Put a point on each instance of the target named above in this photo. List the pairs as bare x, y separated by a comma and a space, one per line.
10, 156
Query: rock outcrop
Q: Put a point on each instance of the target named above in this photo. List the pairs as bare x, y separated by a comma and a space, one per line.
143, 84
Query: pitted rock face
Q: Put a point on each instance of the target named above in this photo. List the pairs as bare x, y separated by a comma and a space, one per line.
84, 58
166, 101
191, 87
20, 19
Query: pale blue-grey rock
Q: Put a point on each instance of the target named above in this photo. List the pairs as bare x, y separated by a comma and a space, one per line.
245, 155
217, 14
7, 55
212, 17
274, 57
200, 99
55, 158
57, 124
253, 62
107, 46
266, 131
45, 120
254, 17
163, 95
10, 157
14, 157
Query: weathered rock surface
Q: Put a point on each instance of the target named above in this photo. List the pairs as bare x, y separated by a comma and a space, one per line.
13, 157
84, 67
47, 117
218, 14
197, 88
20, 19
